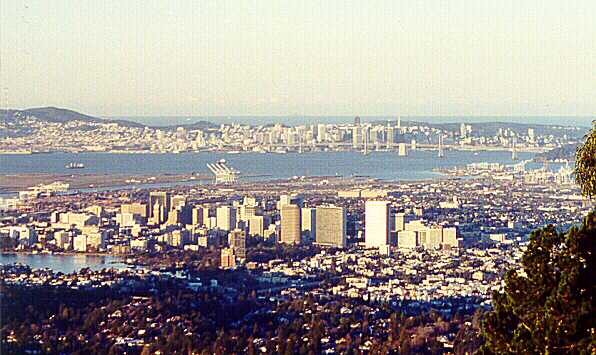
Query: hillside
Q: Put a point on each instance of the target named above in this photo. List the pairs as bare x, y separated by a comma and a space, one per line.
58, 115
61, 115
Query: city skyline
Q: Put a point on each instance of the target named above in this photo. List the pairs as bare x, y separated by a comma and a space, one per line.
309, 58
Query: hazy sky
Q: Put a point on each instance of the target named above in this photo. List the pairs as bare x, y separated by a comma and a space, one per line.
414, 57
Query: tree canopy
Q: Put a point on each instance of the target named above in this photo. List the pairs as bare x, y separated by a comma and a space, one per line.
548, 307
585, 164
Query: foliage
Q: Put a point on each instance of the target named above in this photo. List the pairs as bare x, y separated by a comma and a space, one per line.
585, 164
549, 306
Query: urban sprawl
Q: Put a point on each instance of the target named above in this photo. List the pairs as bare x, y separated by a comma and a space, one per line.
352, 249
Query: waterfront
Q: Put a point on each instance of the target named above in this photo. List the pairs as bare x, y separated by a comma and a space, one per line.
418, 165
63, 263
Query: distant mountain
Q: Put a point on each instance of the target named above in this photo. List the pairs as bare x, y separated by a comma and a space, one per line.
59, 115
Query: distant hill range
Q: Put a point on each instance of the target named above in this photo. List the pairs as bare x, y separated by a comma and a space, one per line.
54, 114
491, 128
566, 152
60, 115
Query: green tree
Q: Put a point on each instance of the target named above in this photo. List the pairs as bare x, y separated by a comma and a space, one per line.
585, 164
549, 306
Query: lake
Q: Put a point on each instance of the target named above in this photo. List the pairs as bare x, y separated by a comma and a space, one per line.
63, 263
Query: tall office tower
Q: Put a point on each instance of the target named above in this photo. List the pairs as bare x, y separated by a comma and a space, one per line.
403, 150
413, 144
181, 133
399, 122
228, 259
400, 222
331, 226
321, 132
356, 136
200, 140
407, 239
162, 199
366, 133
256, 226
514, 149
237, 241
373, 135
463, 132
290, 224
226, 218
157, 214
309, 223
531, 134
198, 216
390, 136
376, 220
357, 121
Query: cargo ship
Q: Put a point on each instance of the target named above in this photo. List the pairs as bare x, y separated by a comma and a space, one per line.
74, 166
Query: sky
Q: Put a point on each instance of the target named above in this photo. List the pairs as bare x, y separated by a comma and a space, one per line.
219, 57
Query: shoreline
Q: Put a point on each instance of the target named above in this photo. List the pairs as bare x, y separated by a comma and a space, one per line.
289, 151
61, 253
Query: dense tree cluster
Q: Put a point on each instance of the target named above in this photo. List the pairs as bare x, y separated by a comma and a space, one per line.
549, 306
174, 319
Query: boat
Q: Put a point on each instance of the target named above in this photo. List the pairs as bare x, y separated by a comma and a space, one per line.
75, 166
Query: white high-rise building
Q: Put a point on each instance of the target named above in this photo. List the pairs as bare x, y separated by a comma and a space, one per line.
226, 218
356, 136
321, 133
376, 219
402, 150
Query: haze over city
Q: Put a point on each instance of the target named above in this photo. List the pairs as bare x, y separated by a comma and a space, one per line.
428, 57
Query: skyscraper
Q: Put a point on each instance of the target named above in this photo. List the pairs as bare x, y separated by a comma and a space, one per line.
198, 216
309, 223
356, 136
331, 226
390, 136
290, 224
321, 132
256, 225
162, 199
400, 222
376, 220
226, 217
357, 121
